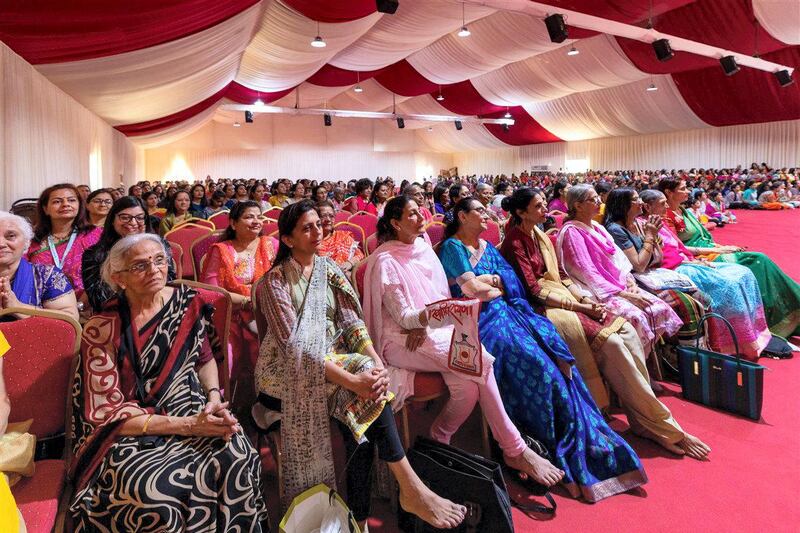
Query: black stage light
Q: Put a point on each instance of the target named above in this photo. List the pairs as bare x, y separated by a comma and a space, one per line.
784, 78
459, 127
248, 117
556, 28
328, 119
729, 65
663, 50
401, 123
505, 128
387, 6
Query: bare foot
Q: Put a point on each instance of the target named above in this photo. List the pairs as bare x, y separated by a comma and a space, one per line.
433, 509
694, 447
536, 466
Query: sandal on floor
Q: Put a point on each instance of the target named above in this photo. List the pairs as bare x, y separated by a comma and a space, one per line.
523, 478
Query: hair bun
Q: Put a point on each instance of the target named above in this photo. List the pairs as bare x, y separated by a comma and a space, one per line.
506, 204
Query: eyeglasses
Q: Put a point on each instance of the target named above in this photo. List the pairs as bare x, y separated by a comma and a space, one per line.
102, 202
127, 219
143, 266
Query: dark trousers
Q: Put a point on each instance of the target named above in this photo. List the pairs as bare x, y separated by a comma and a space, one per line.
381, 434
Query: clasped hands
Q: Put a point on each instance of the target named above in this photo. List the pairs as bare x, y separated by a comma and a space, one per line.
215, 420
7, 296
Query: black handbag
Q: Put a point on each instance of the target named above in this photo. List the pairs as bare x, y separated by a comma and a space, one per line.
721, 381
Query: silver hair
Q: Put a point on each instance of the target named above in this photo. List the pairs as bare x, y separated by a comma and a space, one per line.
577, 193
117, 256
481, 186
648, 196
22, 225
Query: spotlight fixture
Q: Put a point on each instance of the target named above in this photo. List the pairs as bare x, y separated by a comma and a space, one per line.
401, 123
248, 117
387, 6
506, 128
652, 87
573, 51
430, 128
459, 126
258, 103
784, 78
327, 118
236, 124
556, 28
463, 32
508, 114
358, 88
663, 50
439, 97
318, 41
729, 65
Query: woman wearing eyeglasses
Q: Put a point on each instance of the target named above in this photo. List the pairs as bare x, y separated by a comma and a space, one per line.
98, 204
126, 217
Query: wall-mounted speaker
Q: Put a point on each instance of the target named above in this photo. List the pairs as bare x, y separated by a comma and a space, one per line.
556, 28
784, 78
729, 65
401, 123
387, 6
327, 118
248, 117
663, 50
459, 127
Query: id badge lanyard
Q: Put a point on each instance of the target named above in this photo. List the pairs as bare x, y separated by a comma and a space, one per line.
59, 261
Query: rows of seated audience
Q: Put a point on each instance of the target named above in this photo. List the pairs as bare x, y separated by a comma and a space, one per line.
587, 282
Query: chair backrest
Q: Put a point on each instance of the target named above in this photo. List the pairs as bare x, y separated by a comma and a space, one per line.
357, 279
261, 321
356, 231
367, 221
270, 226
492, 233
38, 368
185, 235
200, 249
26, 208
342, 216
435, 231
220, 299
372, 243
273, 214
220, 220
177, 258
202, 222
438, 217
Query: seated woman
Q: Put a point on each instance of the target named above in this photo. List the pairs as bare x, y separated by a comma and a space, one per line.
62, 234
97, 205
126, 217
403, 276
234, 263
155, 448
199, 201
731, 289
558, 204
380, 195
780, 294
716, 207
597, 338
23, 284
768, 199
543, 394
317, 362
640, 243
590, 258
177, 212
340, 246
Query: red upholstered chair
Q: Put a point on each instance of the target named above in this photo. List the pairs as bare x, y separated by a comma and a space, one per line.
356, 231
492, 233
38, 372
372, 243
201, 222
342, 216
438, 217
435, 231
177, 258
269, 227
220, 220
273, 214
200, 249
366, 221
185, 235
223, 307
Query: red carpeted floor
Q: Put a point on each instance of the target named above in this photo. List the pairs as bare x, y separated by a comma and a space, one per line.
751, 483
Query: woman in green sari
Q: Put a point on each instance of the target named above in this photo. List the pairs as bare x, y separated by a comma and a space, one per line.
781, 294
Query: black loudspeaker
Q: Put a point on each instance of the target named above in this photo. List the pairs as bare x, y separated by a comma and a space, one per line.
387, 6
556, 28
459, 127
784, 78
729, 65
505, 128
401, 123
663, 50
327, 118
248, 117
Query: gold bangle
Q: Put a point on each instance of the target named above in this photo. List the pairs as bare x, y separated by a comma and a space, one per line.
144, 427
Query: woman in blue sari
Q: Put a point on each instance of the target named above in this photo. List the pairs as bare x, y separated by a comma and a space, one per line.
543, 393
29, 285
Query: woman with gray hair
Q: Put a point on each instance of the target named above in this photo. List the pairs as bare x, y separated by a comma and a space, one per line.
155, 447
26, 285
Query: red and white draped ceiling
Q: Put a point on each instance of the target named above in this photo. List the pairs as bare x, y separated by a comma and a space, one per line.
161, 70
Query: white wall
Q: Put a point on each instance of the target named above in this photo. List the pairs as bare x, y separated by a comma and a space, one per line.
775, 143
46, 137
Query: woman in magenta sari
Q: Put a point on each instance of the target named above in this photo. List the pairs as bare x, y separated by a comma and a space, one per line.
62, 234
403, 276
590, 258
